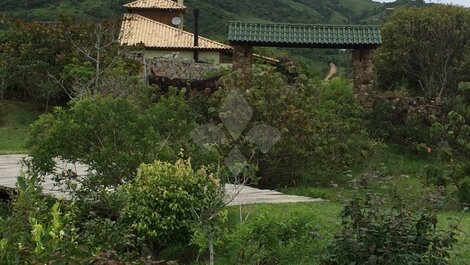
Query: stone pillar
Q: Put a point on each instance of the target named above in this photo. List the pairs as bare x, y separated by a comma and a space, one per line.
363, 76
243, 59
363, 71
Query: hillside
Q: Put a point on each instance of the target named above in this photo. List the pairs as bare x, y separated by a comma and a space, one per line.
215, 15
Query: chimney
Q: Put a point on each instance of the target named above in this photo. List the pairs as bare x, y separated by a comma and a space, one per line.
196, 34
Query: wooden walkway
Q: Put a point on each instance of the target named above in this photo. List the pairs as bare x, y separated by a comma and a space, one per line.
10, 168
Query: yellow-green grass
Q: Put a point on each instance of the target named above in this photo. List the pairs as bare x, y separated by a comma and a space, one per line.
327, 222
461, 251
15, 119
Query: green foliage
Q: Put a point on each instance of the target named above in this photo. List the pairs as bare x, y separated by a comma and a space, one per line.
40, 230
162, 202
112, 136
268, 240
289, 11
2, 113
393, 122
322, 11
109, 237
14, 131
427, 49
331, 136
464, 90
52, 64
453, 145
374, 235
28, 55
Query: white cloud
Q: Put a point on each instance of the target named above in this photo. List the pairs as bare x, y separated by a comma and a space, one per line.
455, 2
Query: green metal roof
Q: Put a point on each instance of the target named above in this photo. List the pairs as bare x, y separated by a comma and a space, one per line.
305, 35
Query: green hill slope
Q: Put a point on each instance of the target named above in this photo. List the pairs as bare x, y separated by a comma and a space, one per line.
215, 15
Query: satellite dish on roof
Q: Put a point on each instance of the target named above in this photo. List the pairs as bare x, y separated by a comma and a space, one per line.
176, 21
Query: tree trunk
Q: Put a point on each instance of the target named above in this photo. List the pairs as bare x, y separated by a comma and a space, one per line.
211, 249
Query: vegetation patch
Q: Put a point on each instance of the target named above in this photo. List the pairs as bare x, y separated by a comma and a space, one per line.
15, 118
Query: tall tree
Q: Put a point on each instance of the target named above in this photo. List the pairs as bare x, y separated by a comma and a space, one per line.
64, 60
100, 64
425, 49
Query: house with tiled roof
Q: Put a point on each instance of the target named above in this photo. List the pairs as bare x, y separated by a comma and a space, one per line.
157, 25
163, 11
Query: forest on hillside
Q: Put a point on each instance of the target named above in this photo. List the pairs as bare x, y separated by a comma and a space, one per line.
386, 183
215, 15
220, 11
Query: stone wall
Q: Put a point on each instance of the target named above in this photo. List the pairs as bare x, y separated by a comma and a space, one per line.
243, 59
411, 105
181, 69
363, 71
415, 105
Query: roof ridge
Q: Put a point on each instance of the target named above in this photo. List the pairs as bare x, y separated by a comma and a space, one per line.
177, 30
148, 4
157, 22
180, 30
300, 24
305, 35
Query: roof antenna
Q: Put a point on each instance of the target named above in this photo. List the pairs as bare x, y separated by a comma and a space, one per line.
196, 35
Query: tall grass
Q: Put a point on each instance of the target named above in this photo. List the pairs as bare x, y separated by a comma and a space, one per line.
15, 118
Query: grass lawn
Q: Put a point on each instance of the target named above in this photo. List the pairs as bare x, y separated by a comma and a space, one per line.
390, 167
394, 168
325, 218
15, 118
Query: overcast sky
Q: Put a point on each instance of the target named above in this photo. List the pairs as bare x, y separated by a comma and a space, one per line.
457, 2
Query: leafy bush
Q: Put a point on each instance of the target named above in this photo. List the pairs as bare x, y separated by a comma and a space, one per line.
2, 113
407, 58
268, 240
74, 59
453, 145
108, 237
112, 136
161, 203
341, 140
321, 127
375, 235
40, 230
395, 124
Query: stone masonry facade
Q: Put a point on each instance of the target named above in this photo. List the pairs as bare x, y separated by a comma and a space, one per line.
181, 69
243, 59
363, 71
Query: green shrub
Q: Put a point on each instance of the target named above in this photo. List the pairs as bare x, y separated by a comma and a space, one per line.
341, 140
267, 240
162, 202
404, 59
374, 234
322, 133
112, 136
105, 235
452, 138
436, 175
40, 230
395, 124
464, 89
2, 113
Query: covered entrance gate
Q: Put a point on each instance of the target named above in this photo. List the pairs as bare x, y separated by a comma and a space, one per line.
361, 39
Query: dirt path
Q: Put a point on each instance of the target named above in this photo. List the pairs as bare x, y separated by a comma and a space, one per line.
10, 168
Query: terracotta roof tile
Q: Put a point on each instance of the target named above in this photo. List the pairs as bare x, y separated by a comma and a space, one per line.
137, 29
157, 4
